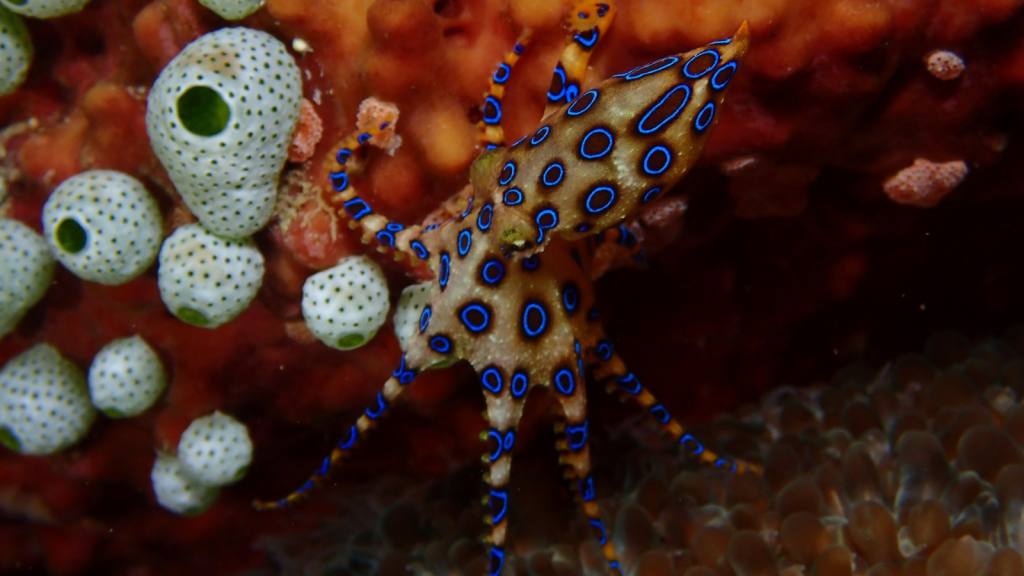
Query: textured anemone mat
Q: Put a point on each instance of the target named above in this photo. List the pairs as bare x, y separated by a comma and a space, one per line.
916, 468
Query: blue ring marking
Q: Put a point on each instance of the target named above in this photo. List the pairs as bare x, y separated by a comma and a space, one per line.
577, 436
492, 272
498, 511
492, 456
650, 68
534, 332
363, 138
496, 561
599, 532
511, 166
394, 227
381, 406
570, 298
583, 228
483, 219
491, 379
469, 208
651, 194
587, 42
565, 382
501, 74
540, 135
579, 362
518, 142
404, 374
571, 92
574, 110
647, 159
431, 227
513, 197
386, 238
628, 383
626, 237
586, 488
444, 269
592, 314
604, 351
670, 117
518, 48
602, 9
357, 208
425, 317
384, 125
353, 435
419, 249
492, 116
465, 242
441, 344
520, 383
324, 467
686, 67
549, 180
343, 155
725, 465
339, 181
700, 123
560, 73
595, 131
719, 42
716, 83
541, 227
510, 439
531, 263
490, 147
480, 326
696, 448
598, 209
615, 566
659, 413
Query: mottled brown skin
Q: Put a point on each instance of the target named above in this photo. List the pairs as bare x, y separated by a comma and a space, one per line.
512, 293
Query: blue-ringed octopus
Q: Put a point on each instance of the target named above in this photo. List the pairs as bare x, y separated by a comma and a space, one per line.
512, 292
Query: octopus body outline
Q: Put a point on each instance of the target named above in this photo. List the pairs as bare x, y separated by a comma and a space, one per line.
512, 292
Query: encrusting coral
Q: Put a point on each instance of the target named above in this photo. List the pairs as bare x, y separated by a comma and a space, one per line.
779, 257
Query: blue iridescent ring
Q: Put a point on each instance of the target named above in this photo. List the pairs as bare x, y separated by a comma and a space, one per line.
582, 104
508, 172
513, 197
600, 199
553, 174
695, 75
492, 272
704, 117
540, 135
661, 158
718, 83
465, 242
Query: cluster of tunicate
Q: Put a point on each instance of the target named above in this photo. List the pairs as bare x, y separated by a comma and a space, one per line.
220, 117
207, 280
15, 51
126, 378
345, 305
103, 226
232, 9
408, 311
213, 451
26, 267
44, 402
44, 8
47, 404
915, 468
